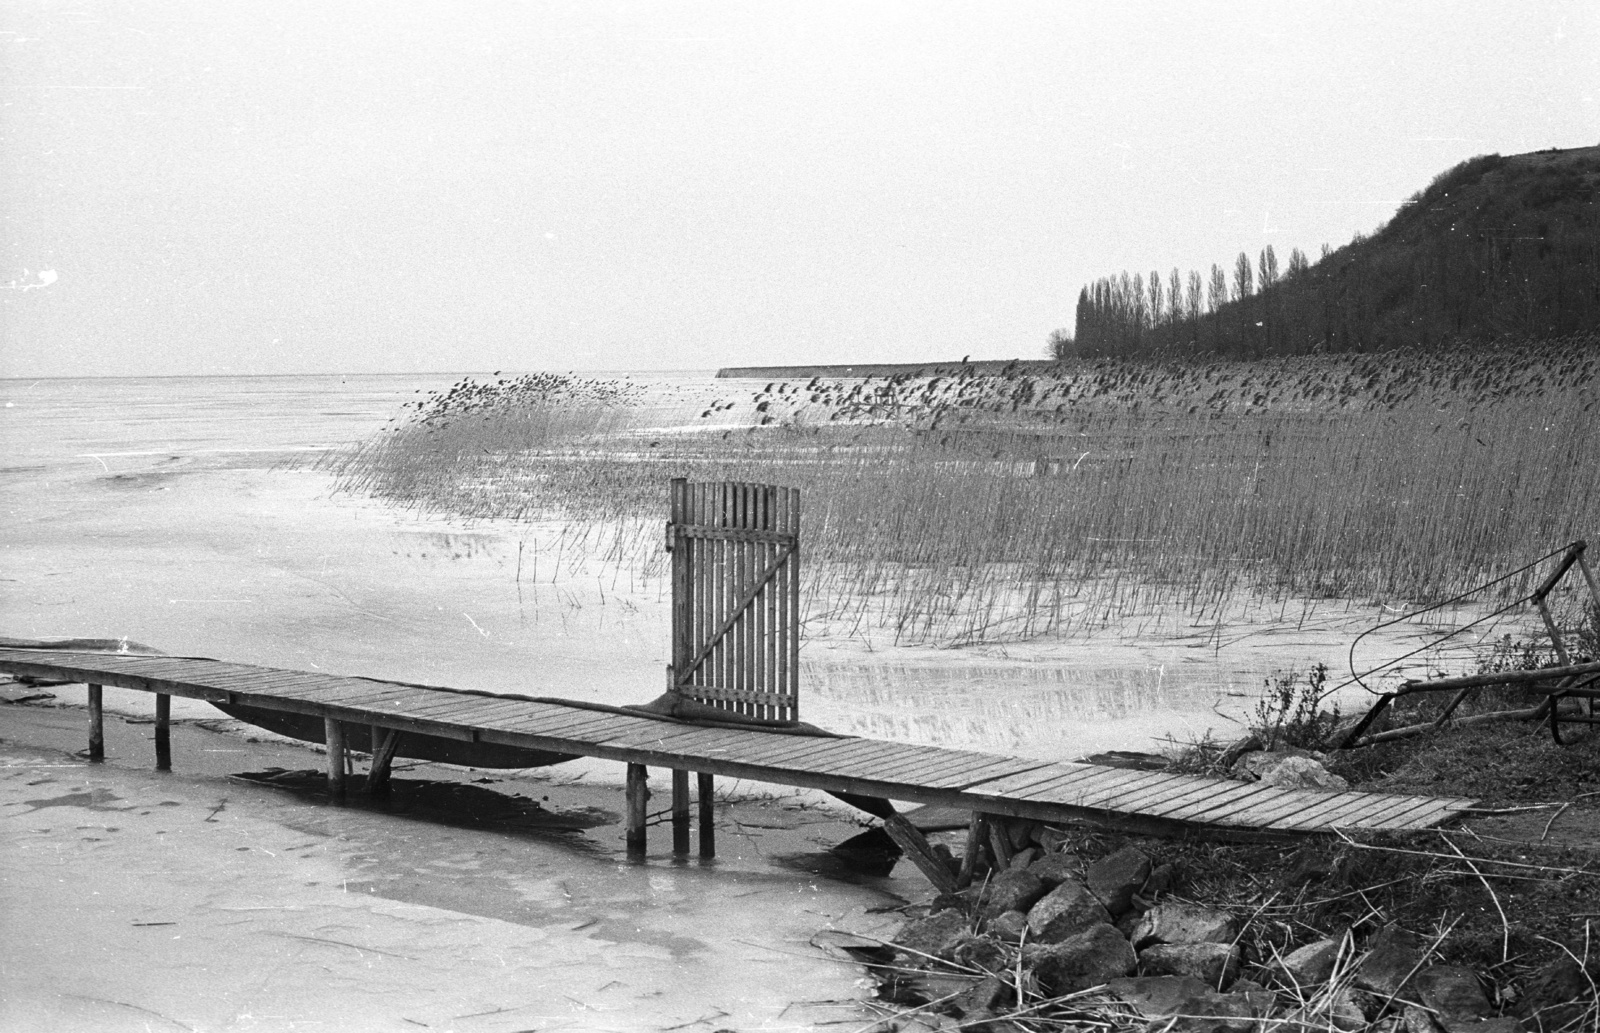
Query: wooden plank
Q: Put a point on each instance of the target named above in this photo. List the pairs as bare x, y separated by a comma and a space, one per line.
1026, 780
944, 768
768, 750
861, 758
1268, 813
1076, 788
1104, 795
1351, 809
1168, 794
1207, 797
981, 775
912, 843
666, 735
1400, 812
1293, 808
1438, 812
1219, 812
570, 726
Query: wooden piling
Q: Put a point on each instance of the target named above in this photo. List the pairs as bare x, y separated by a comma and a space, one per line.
97, 724
163, 732
680, 812
708, 815
977, 837
333, 734
385, 741
638, 795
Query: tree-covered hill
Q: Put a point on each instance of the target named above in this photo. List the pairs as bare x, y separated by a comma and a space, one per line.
1496, 248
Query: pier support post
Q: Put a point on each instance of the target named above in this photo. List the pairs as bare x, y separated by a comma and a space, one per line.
97, 725
163, 732
638, 794
333, 734
977, 837
680, 812
914, 845
384, 743
708, 815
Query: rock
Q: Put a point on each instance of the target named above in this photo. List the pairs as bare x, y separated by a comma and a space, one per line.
1011, 890
983, 952
1053, 869
1182, 1004
1116, 877
1065, 911
1160, 881
1215, 964
989, 997
1177, 922
1506, 1024
1301, 773
1008, 926
935, 936
1308, 966
1453, 992
1019, 831
1393, 954
1338, 1010
1129, 759
1025, 857
1090, 958
1050, 840
1417, 1020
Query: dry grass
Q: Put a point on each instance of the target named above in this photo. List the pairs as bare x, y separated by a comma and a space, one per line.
970, 507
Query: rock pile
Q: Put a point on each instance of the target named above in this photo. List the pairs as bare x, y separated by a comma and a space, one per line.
1103, 940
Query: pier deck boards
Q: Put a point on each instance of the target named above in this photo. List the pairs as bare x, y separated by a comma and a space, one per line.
990, 783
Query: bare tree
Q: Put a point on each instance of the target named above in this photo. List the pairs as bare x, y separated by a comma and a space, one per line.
1196, 293
1158, 308
1297, 263
1174, 296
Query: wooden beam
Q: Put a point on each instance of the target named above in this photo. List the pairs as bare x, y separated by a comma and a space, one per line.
638, 796
680, 812
97, 725
163, 732
385, 741
333, 735
977, 833
708, 815
910, 840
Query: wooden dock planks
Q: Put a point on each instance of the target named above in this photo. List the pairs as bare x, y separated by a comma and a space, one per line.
926, 774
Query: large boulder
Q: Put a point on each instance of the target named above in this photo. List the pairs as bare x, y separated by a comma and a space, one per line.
1115, 878
1065, 911
1177, 922
1090, 958
1215, 964
1013, 890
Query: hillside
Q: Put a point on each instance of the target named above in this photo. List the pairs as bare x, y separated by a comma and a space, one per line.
1496, 248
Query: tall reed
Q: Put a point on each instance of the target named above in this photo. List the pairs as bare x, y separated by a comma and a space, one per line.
966, 508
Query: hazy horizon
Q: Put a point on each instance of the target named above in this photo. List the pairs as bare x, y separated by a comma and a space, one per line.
364, 187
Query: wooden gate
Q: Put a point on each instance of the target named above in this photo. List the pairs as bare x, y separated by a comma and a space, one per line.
736, 597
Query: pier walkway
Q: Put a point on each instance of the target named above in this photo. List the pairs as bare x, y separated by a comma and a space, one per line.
982, 783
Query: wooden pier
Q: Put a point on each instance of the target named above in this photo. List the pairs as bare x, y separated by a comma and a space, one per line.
982, 783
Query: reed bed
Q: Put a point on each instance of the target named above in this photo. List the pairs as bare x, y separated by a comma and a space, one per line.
972, 507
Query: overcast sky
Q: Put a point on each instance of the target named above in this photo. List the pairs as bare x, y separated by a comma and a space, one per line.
334, 186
